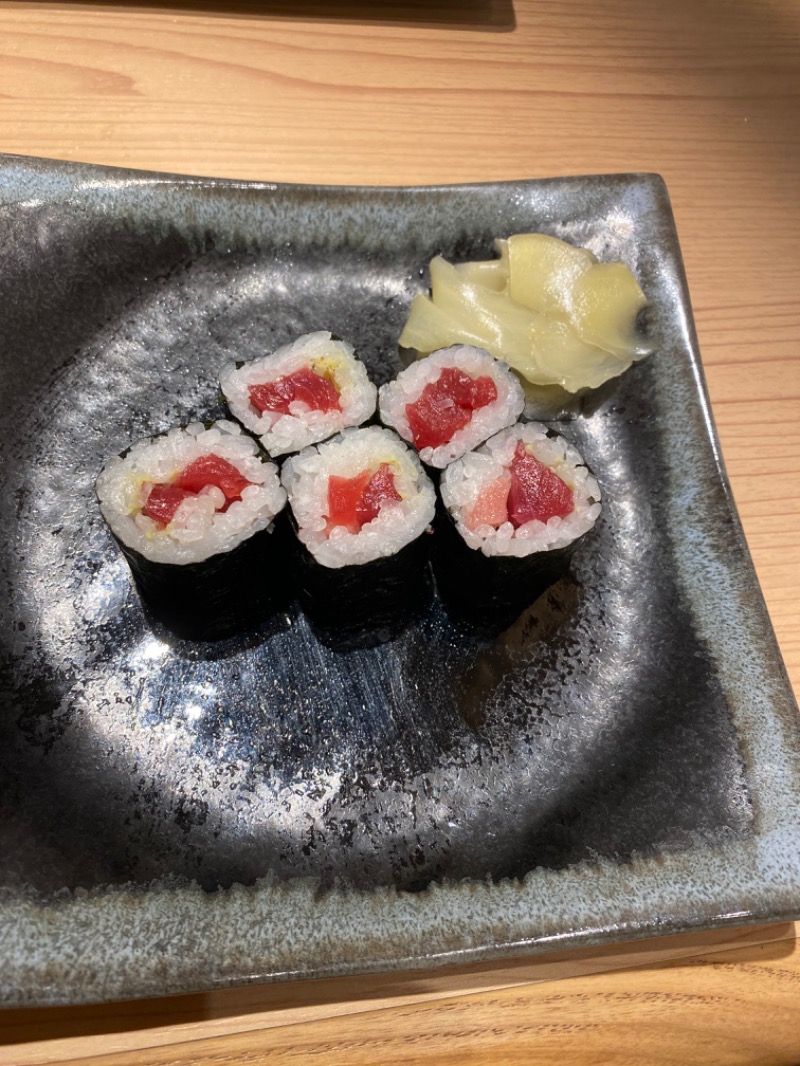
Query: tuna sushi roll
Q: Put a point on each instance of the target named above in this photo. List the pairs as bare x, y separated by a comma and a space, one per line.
516, 510
193, 512
451, 401
362, 507
302, 394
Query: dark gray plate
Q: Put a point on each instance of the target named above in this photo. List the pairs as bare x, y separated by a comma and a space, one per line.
623, 760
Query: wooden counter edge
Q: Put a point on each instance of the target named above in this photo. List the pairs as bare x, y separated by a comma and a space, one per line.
30, 1037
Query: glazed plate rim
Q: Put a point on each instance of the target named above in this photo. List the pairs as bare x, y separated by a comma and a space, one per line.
154, 935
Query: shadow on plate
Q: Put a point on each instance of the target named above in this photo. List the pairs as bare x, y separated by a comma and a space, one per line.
492, 15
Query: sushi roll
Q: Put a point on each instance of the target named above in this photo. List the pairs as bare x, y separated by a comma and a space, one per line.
193, 512
516, 509
450, 402
300, 395
362, 506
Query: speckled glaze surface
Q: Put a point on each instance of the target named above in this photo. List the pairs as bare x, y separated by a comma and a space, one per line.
623, 760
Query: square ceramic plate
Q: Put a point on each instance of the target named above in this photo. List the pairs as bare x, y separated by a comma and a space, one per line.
622, 761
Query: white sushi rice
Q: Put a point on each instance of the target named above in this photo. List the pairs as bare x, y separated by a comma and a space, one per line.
407, 388
463, 482
198, 530
398, 523
282, 433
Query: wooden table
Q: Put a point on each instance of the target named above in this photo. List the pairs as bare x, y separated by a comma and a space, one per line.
383, 92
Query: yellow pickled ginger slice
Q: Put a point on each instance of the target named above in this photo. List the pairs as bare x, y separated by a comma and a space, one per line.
547, 308
569, 360
429, 327
605, 303
491, 273
542, 272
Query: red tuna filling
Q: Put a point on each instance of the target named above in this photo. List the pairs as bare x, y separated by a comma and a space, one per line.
317, 392
536, 492
162, 503
491, 506
164, 500
446, 405
354, 501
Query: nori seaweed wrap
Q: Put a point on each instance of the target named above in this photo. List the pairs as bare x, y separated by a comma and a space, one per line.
514, 512
362, 507
193, 512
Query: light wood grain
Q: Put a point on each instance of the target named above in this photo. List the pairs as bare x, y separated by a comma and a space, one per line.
705, 93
